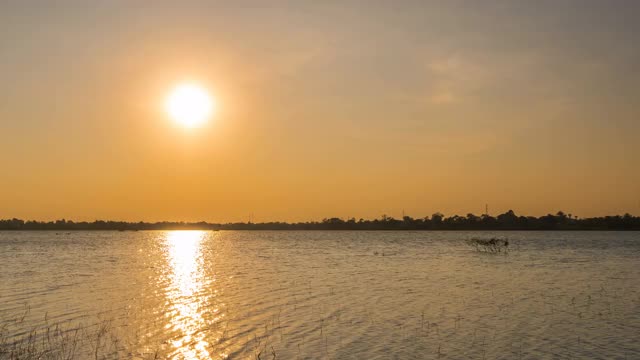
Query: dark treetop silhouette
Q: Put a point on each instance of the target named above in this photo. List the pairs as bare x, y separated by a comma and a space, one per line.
437, 221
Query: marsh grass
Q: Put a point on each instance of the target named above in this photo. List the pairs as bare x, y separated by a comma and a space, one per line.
492, 246
55, 341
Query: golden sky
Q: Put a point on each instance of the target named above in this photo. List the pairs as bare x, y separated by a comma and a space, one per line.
345, 108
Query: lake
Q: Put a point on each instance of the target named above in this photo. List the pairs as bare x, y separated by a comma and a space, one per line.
317, 295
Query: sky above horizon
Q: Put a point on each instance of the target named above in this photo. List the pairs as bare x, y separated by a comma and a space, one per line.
325, 108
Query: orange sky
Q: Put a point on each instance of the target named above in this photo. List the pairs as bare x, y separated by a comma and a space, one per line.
351, 110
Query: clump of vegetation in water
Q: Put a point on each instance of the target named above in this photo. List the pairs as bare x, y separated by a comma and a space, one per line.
493, 245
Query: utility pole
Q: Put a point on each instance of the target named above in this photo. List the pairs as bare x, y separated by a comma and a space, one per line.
486, 209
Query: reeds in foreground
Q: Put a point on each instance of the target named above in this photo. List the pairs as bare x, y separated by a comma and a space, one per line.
59, 341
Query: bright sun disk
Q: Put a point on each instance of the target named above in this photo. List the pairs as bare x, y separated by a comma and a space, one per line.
189, 105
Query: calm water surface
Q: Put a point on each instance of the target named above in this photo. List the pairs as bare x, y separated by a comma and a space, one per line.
334, 295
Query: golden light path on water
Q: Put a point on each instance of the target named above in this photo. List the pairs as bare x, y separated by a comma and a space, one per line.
187, 278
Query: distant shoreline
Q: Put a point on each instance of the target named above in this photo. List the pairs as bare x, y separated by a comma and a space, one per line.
508, 221
317, 230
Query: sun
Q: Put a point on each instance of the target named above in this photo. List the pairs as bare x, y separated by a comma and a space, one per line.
189, 105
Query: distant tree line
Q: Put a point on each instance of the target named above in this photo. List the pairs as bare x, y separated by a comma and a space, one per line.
507, 221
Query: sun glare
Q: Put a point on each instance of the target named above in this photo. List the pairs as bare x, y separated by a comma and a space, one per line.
189, 105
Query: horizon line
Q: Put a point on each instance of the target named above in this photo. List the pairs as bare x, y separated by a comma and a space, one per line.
382, 217
506, 221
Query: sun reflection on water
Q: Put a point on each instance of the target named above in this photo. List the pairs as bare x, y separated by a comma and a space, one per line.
184, 298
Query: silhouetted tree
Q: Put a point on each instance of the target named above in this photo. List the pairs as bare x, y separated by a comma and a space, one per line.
437, 221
